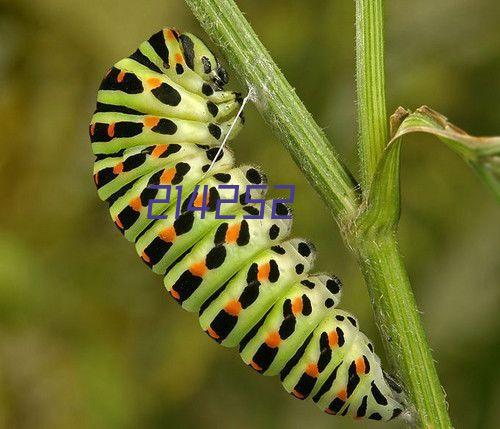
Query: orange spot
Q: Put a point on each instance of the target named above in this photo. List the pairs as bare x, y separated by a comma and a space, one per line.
136, 204
153, 82
179, 58
264, 270
198, 202
92, 129
111, 129
360, 366
118, 223
120, 76
328, 411
168, 234
169, 34
233, 233
255, 366
174, 293
145, 257
96, 178
233, 307
167, 176
273, 340
158, 150
151, 121
342, 395
198, 269
298, 395
297, 305
212, 333
312, 370
333, 339
118, 168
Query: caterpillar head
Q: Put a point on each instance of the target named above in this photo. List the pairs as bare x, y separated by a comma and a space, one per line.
200, 59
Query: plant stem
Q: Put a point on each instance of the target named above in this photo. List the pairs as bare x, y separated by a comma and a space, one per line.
278, 104
399, 322
376, 249
370, 82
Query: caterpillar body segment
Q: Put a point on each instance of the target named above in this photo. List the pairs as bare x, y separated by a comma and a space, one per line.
223, 251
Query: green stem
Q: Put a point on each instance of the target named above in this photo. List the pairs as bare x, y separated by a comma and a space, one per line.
393, 302
370, 82
399, 322
279, 105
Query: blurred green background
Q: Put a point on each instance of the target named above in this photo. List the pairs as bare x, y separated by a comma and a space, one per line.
88, 337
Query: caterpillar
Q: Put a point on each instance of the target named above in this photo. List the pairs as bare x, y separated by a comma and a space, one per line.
161, 116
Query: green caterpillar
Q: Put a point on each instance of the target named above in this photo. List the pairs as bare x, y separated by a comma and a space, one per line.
161, 116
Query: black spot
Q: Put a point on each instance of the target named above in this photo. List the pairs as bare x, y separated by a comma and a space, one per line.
305, 385
329, 303
130, 83
308, 283
336, 405
157, 41
264, 356
103, 107
167, 94
325, 357
367, 364
287, 308
361, 412
145, 61
252, 273
339, 318
212, 108
282, 209
184, 223
274, 272
304, 249
396, 412
352, 320
207, 90
134, 161
253, 176
222, 177
249, 295
205, 168
216, 257
186, 285
223, 324
207, 66
274, 232
340, 334
244, 235
146, 195
306, 305
181, 169
214, 130
333, 285
287, 327
299, 268
353, 379
212, 153
375, 416
188, 50
279, 250
128, 216
179, 69
370, 347
165, 126
377, 394
156, 250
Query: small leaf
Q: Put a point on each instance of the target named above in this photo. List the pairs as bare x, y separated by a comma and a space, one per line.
481, 153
